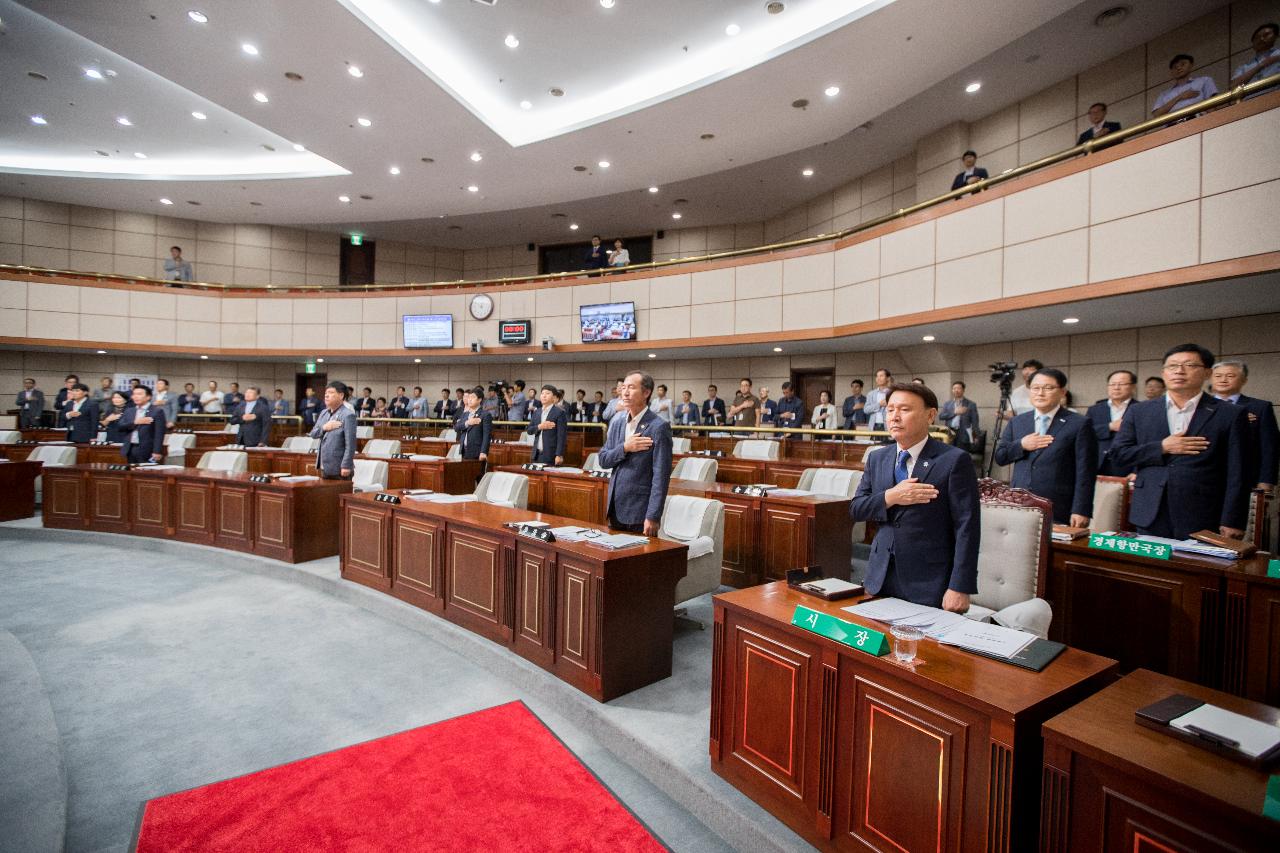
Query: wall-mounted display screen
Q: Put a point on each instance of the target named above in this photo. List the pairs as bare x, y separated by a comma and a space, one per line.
615, 321
515, 331
427, 331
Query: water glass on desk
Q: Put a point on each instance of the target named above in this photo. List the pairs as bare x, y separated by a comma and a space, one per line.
906, 639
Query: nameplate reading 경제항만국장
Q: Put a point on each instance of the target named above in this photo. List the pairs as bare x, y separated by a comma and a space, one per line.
1127, 545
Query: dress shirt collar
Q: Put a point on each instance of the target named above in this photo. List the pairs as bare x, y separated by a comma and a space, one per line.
1172, 407
1053, 413
914, 450
1233, 398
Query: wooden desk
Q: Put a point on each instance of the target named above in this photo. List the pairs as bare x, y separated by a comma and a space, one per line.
1250, 663
857, 752
600, 620
572, 495
454, 476
780, 472
18, 489
509, 453
293, 522
801, 449
1113, 785
86, 454
573, 446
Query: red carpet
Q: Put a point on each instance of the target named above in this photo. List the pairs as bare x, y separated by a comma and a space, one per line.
495, 780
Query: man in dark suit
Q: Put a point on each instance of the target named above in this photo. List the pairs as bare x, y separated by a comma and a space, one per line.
474, 427
142, 427
309, 408
923, 495
80, 415
971, 170
254, 417
364, 404
550, 428
232, 398
336, 429
1190, 452
30, 404
1229, 377
713, 410
597, 256
1098, 124
595, 409
961, 414
188, 400
445, 406
638, 449
61, 398
851, 408
1105, 417
399, 404
1053, 451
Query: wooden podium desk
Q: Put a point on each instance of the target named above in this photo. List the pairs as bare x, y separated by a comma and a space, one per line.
454, 476
565, 493
293, 522
855, 752
1114, 786
600, 620
1251, 632
86, 454
573, 444
779, 472
18, 489
509, 453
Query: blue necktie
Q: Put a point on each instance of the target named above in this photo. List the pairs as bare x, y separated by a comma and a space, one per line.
900, 470
1042, 424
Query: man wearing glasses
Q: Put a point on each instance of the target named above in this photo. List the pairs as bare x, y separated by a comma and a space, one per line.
1189, 451
1106, 415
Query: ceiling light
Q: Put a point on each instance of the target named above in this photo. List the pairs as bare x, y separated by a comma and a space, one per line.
1071, 321
653, 355
93, 73
260, 97
732, 30
39, 120
199, 116
198, 17
166, 201
808, 173
777, 349
124, 121
345, 199
319, 361
102, 352
511, 40
573, 226
528, 358
604, 164
417, 361
354, 71
139, 155
928, 339
526, 105
395, 170
677, 216
204, 357
476, 156
249, 49
556, 92
473, 189
298, 146
653, 189
608, 4
831, 91
973, 87
364, 122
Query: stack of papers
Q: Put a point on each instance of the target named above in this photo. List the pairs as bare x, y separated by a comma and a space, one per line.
784, 493
953, 629
565, 469
1191, 546
618, 541
575, 534
300, 478
1250, 736
987, 638
438, 498
828, 586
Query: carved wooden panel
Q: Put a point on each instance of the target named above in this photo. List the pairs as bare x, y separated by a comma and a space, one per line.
193, 511
717, 684
234, 517
149, 506
577, 500
399, 475
739, 567
534, 603
260, 463
1055, 810
415, 561
575, 612
1135, 827
784, 540
538, 494
738, 471
1000, 799
108, 503
365, 538
477, 580
769, 729
64, 500
1262, 650
271, 515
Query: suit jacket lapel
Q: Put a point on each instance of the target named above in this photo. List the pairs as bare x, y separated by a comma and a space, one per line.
924, 465
1205, 410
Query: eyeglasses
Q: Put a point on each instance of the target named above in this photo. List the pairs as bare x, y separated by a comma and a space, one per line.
1042, 389
1183, 367
1119, 384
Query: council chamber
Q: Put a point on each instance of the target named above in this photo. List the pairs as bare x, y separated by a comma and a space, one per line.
613, 425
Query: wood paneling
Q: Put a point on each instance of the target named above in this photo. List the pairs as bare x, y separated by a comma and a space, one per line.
18, 489
194, 511
64, 498
109, 501
535, 603
366, 555
233, 517
415, 559
149, 505
476, 589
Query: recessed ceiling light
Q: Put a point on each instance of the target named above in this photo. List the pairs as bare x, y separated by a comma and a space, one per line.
511, 40
93, 73
345, 199
166, 201
604, 164
556, 92
198, 17
36, 75
831, 91
677, 216
573, 226
298, 146
473, 189
608, 4
364, 122
528, 358
293, 76
928, 339
653, 189
204, 357
1071, 321
653, 355
139, 155
526, 105
476, 156
808, 173
102, 352
260, 97
777, 349
354, 71
319, 361
732, 30
417, 361
973, 87
39, 120
249, 49
199, 116
707, 136
124, 121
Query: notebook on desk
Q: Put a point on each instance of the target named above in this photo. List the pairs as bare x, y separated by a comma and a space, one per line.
1231, 735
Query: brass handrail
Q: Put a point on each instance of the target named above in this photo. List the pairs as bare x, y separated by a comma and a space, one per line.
1114, 138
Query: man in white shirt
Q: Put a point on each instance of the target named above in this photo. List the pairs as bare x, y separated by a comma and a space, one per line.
211, 400
1186, 90
166, 400
1265, 61
1105, 417
661, 404
1020, 398
614, 402
876, 397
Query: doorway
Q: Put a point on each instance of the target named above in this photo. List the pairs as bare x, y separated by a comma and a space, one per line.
303, 381
355, 264
809, 384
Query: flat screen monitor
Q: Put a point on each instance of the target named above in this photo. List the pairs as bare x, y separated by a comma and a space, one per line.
428, 331
614, 321
515, 331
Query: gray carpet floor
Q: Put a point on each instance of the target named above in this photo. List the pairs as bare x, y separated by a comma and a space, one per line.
169, 670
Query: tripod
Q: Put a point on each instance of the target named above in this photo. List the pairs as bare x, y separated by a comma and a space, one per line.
1006, 405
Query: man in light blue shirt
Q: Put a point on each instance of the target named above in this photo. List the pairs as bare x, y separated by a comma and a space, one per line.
614, 402
876, 399
1265, 61
1186, 90
661, 404
175, 268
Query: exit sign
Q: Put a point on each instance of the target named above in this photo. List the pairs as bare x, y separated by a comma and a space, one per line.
357, 239
311, 367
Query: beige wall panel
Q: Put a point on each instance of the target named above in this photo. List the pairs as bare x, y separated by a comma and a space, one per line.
1051, 208
204, 309
906, 293
197, 334
671, 290
1051, 141
856, 263
380, 335
53, 298
274, 311
293, 240
455, 304
1118, 347
322, 264
11, 253
1153, 341
1047, 264
240, 335
88, 239
1239, 223
344, 336
976, 358
876, 208
561, 328
975, 278
1252, 334
216, 232
129, 265
47, 235
846, 197
669, 323
141, 223
379, 309
857, 303
1148, 180
588, 294
1047, 108
288, 261
90, 261
1000, 160
10, 207
1242, 153
1160, 240
1205, 38
150, 331
54, 324
1056, 350
209, 252
253, 235
907, 249
754, 281
311, 311
943, 146
807, 310
630, 291
242, 311
877, 184
162, 306
719, 238
13, 294
990, 133
807, 273
257, 257
1116, 79
310, 336
968, 232
13, 324
136, 245
935, 182
214, 273
692, 241
515, 305
748, 234
11, 232
95, 217
45, 211
821, 209
756, 315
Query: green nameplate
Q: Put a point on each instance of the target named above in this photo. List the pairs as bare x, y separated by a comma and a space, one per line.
863, 639
1271, 803
1125, 545
1273, 569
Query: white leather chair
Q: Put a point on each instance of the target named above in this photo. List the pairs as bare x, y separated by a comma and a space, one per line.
756, 448
503, 489
699, 524
364, 431
370, 475
449, 434
1110, 504
693, 468
593, 463
525, 438
53, 456
301, 444
383, 448
10, 436
1013, 559
830, 481
455, 453
681, 445
233, 461
176, 446
232, 429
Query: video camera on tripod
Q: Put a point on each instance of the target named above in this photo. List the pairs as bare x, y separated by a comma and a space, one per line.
1002, 373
